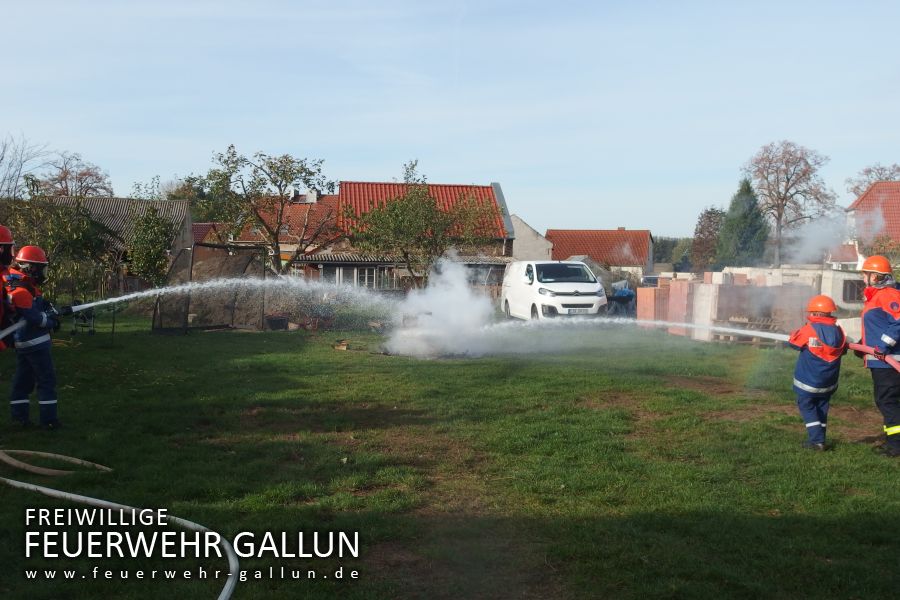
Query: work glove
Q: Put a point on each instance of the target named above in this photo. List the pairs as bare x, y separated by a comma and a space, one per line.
878, 353
859, 353
52, 322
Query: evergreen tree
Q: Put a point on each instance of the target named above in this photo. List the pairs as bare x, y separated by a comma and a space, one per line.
742, 238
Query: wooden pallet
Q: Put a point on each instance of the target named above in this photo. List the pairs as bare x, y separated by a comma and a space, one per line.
761, 325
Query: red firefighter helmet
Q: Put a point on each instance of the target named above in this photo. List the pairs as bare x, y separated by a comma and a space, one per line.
877, 264
6, 235
31, 254
821, 303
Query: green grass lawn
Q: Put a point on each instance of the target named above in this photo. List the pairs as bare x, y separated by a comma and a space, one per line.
650, 467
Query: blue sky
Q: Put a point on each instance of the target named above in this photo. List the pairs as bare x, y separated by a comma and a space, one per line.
589, 114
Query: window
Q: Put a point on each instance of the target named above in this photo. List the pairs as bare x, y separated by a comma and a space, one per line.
559, 273
853, 290
365, 277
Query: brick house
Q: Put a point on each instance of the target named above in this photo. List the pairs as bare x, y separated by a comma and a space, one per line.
876, 212
628, 250
336, 260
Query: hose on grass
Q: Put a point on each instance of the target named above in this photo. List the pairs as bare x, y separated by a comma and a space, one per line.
233, 564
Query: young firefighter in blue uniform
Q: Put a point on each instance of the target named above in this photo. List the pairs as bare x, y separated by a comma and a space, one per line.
34, 366
821, 343
881, 330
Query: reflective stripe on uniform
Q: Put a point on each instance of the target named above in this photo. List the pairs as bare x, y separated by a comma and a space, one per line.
888, 339
814, 390
34, 342
47, 402
19, 401
892, 430
44, 320
814, 424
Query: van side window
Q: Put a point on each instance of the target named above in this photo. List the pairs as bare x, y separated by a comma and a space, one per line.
529, 274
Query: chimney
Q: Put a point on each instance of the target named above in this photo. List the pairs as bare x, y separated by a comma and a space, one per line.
312, 196
621, 229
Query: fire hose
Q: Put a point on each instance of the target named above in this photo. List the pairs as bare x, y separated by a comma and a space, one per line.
233, 564
868, 350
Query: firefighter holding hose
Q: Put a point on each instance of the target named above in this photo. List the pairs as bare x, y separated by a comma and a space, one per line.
6, 258
34, 365
821, 343
881, 330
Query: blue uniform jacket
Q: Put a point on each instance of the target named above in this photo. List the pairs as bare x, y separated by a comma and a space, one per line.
881, 323
25, 302
821, 343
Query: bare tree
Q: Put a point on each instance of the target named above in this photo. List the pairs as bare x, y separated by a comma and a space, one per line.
790, 189
866, 177
70, 175
18, 159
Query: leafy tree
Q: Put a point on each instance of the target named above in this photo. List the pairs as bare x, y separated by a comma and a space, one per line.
742, 238
869, 175
149, 251
662, 249
790, 189
70, 175
82, 252
147, 191
706, 238
681, 254
258, 190
414, 228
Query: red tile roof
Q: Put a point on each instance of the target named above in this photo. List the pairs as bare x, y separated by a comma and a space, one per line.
199, 230
877, 211
295, 215
843, 253
614, 247
364, 196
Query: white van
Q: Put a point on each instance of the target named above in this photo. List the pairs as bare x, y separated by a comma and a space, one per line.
543, 289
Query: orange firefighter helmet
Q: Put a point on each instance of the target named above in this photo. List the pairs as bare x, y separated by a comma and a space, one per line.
877, 264
821, 303
6, 235
31, 254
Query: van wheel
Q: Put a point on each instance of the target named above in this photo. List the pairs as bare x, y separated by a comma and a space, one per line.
534, 313
506, 309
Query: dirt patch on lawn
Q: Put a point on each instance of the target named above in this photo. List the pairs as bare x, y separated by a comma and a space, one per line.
462, 548
856, 425
642, 417
751, 412
852, 424
715, 386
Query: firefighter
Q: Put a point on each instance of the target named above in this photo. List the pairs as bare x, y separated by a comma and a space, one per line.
6, 258
821, 343
34, 365
881, 330
6, 249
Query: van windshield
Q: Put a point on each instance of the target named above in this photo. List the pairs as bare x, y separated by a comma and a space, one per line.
562, 273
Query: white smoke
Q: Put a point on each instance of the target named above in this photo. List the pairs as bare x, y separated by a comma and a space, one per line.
447, 317
451, 318
811, 241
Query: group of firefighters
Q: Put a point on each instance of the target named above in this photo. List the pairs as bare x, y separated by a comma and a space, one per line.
21, 300
822, 342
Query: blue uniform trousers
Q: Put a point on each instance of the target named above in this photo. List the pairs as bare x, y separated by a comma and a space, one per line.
814, 410
34, 368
